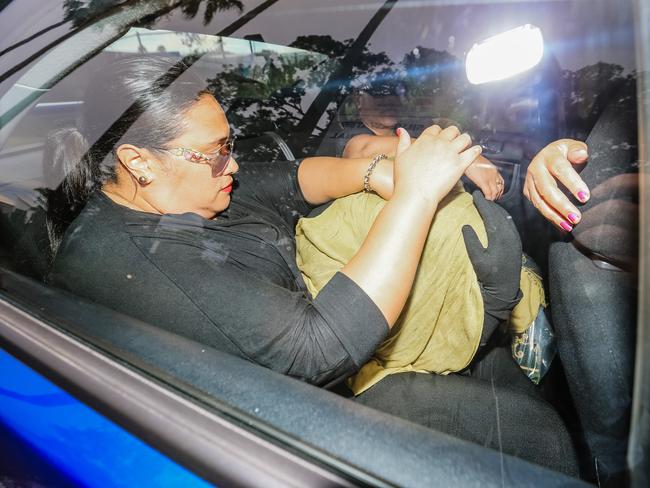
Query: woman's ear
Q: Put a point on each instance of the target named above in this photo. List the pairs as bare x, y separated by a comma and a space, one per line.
136, 162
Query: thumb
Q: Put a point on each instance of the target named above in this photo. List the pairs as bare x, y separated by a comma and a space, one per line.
472, 243
578, 152
403, 141
468, 156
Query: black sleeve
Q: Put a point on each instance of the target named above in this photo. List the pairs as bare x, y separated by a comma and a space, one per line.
321, 341
274, 186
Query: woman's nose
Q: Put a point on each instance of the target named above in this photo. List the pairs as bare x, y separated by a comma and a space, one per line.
232, 167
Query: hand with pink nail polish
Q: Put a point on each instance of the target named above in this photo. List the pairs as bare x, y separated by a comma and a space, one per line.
556, 164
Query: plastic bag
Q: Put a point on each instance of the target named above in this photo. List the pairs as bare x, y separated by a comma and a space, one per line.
535, 348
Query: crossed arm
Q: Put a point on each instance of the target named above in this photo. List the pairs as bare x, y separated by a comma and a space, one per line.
481, 172
423, 173
553, 166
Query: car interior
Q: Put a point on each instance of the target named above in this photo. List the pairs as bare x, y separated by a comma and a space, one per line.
288, 99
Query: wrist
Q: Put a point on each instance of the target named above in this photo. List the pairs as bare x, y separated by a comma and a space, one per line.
472, 166
381, 179
370, 171
497, 307
500, 297
410, 201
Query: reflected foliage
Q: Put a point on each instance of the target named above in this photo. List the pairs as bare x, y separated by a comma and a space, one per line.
323, 45
430, 84
587, 91
190, 8
437, 86
278, 103
81, 11
273, 90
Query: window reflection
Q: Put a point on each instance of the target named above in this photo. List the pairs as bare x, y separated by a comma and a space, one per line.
293, 85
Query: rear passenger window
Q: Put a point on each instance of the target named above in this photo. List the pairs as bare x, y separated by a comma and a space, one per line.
301, 79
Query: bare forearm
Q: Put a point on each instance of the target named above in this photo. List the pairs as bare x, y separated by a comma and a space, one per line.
366, 146
385, 265
323, 179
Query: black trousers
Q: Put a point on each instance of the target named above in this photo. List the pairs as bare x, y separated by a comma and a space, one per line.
493, 404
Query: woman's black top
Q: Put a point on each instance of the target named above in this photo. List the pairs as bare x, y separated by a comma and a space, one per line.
230, 283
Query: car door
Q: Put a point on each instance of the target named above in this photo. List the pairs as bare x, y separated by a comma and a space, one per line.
188, 414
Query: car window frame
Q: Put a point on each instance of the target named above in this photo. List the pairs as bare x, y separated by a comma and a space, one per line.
639, 440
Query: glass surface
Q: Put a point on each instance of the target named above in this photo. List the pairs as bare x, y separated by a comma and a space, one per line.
293, 78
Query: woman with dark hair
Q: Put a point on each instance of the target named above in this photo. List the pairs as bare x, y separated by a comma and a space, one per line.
160, 238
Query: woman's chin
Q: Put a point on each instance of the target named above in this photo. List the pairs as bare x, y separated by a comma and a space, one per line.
222, 203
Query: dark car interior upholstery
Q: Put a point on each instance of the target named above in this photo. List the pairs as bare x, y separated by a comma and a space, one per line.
24, 241
593, 282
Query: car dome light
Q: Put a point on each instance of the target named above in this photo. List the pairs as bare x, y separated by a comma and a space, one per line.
505, 55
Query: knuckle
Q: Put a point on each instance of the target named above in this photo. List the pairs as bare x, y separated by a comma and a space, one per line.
559, 170
563, 171
553, 195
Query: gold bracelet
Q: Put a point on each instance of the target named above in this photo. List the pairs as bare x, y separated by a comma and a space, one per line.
371, 168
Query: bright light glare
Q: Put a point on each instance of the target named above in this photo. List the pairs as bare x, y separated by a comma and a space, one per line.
505, 55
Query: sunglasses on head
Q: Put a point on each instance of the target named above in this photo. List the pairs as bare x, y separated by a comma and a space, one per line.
218, 159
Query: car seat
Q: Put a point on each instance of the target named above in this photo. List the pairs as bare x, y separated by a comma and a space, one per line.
593, 289
25, 243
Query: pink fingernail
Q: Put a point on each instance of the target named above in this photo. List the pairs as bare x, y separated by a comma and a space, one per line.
573, 217
398, 131
583, 196
566, 226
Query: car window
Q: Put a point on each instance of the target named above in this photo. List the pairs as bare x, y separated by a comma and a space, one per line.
302, 79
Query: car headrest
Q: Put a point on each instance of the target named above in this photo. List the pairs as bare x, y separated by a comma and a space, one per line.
25, 240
